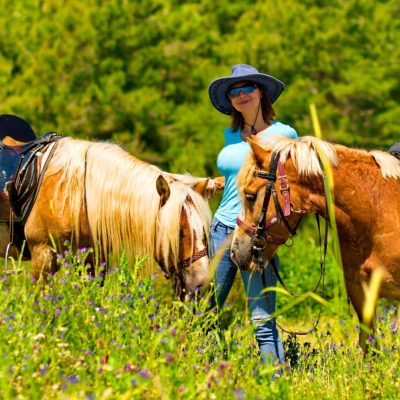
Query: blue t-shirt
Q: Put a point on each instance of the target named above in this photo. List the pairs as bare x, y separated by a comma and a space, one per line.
229, 162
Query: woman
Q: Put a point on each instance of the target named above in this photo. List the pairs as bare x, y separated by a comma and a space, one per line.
247, 96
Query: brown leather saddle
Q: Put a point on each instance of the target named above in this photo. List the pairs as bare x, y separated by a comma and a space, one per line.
21, 173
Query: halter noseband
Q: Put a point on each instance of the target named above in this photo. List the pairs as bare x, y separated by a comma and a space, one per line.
259, 234
190, 260
176, 271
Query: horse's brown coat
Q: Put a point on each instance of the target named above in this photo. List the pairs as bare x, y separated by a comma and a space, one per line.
367, 211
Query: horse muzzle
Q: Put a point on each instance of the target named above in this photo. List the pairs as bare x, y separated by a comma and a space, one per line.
241, 252
249, 253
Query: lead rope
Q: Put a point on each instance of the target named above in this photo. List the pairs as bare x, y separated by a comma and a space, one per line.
293, 334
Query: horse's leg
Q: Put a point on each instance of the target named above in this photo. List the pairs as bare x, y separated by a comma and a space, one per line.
356, 294
44, 260
47, 222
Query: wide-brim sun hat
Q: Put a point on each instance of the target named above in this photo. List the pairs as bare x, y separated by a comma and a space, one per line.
242, 72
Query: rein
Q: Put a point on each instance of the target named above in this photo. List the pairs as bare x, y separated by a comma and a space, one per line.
322, 264
260, 236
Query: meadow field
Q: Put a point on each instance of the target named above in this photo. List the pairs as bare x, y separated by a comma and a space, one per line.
137, 73
128, 338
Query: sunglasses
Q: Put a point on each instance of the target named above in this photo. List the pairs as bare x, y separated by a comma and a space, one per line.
234, 92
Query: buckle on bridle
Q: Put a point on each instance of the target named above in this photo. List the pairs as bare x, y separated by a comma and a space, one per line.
258, 244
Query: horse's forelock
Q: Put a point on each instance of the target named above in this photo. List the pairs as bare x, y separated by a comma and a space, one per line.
246, 173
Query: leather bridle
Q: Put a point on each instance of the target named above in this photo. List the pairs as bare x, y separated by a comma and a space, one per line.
259, 234
190, 260
178, 274
177, 271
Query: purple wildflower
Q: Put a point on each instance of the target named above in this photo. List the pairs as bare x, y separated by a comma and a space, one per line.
145, 373
73, 379
43, 370
128, 367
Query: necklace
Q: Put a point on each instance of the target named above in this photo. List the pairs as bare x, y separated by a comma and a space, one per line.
252, 126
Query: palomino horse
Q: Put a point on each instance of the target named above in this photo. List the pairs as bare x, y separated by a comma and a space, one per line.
366, 206
100, 196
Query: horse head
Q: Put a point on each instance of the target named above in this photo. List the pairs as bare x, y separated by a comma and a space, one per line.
186, 260
269, 217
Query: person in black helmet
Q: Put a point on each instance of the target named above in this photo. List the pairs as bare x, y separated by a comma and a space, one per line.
394, 150
16, 128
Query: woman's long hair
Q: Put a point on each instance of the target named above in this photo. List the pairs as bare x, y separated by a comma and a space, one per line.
267, 110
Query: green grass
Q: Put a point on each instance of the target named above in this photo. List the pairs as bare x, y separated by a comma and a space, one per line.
125, 337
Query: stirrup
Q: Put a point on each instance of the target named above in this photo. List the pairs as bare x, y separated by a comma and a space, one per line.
6, 270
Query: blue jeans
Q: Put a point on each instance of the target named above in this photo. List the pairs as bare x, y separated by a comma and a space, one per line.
261, 305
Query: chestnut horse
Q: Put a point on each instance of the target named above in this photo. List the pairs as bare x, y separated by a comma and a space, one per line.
97, 195
366, 207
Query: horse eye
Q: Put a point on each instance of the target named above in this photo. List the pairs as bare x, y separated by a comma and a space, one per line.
250, 196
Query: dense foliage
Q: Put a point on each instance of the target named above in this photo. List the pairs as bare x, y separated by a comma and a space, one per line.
137, 72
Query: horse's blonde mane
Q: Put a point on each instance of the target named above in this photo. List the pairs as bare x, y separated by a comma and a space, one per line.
123, 205
306, 153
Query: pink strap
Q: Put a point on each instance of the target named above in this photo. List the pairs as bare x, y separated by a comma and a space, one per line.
284, 186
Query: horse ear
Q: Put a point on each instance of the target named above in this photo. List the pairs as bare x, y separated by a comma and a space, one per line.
208, 187
219, 182
259, 152
163, 189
